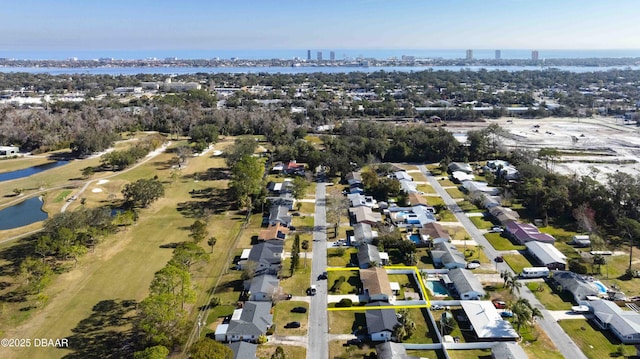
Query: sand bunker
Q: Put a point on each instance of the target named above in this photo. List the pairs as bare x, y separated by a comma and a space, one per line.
103, 181
96, 190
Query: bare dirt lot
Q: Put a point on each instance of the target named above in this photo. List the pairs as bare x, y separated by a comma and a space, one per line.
595, 146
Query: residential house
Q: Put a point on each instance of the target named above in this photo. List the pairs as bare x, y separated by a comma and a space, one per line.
380, 322
578, 286
363, 233
249, 322
279, 214
433, 233
408, 186
243, 350
459, 167
294, 168
364, 214
376, 284
485, 200
416, 199
624, 324
369, 256
504, 215
354, 178
284, 199
358, 199
461, 177
486, 322
466, 284
415, 216
402, 176
277, 231
262, 288
279, 187
527, 232
508, 350
267, 256
448, 256
547, 255
483, 187
392, 350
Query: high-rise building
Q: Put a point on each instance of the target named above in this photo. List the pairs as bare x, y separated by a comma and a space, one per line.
319, 55
498, 54
469, 54
308, 55
535, 55
332, 56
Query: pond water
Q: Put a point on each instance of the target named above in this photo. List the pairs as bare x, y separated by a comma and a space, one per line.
22, 214
26, 172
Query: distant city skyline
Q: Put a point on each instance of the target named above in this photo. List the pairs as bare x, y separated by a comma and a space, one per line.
163, 25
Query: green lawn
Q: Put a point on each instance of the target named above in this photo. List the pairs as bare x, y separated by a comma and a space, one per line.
338, 350
537, 344
346, 321
290, 351
283, 315
548, 297
446, 182
298, 284
62, 195
481, 222
424, 259
349, 286
447, 216
426, 189
501, 243
340, 257
559, 233
455, 193
594, 343
422, 334
517, 262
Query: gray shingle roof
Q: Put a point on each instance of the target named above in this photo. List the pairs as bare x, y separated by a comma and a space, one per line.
465, 281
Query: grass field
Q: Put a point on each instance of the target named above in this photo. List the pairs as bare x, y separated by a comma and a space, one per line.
290, 351
283, 315
340, 257
481, 222
594, 343
338, 350
470, 354
501, 243
455, 193
426, 188
446, 182
346, 321
548, 297
87, 292
517, 262
14, 164
537, 344
298, 284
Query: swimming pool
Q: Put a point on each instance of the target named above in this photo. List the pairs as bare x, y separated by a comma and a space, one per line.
415, 238
436, 288
600, 286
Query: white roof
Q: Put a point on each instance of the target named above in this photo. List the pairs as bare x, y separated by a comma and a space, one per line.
546, 252
486, 321
395, 286
245, 254
221, 329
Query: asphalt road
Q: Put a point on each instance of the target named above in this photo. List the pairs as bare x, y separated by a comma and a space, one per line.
566, 346
318, 347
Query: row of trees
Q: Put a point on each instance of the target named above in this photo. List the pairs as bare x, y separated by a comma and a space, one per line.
118, 160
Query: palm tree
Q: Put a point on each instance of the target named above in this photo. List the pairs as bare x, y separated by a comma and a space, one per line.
479, 247
524, 315
513, 283
536, 314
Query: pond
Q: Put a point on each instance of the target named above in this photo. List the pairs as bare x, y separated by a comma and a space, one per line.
26, 172
22, 214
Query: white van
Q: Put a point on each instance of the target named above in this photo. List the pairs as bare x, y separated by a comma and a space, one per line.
535, 272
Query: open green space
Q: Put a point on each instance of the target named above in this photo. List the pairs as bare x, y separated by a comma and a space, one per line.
446, 215
283, 315
549, 298
290, 351
481, 222
517, 262
424, 259
537, 344
298, 284
593, 342
501, 243
446, 182
422, 334
470, 354
339, 350
346, 321
349, 285
341, 256
455, 193
426, 188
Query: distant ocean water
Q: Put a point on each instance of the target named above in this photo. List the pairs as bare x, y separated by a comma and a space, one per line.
302, 54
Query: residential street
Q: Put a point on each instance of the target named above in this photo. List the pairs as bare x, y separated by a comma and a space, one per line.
563, 342
318, 347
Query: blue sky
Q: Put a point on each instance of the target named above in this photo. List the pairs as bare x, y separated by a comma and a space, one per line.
86, 25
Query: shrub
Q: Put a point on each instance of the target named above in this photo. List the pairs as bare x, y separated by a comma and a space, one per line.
344, 303
578, 266
337, 284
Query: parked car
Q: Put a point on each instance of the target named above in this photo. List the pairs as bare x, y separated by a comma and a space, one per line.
499, 304
437, 307
496, 230
288, 296
355, 341
312, 290
292, 325
322, 276
475, 261
499, 259
506, 314
299, 310
472, 265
